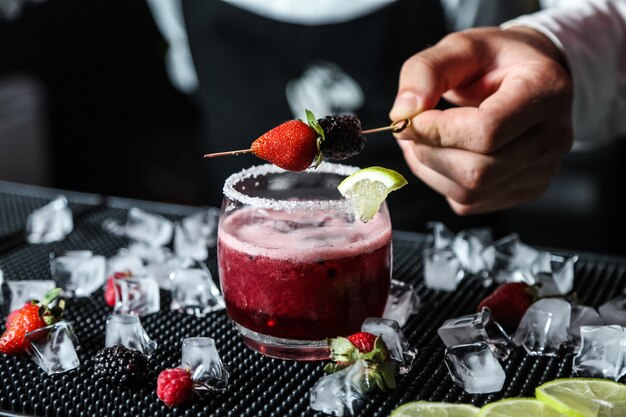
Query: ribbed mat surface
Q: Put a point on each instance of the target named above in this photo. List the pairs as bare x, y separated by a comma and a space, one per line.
259, 386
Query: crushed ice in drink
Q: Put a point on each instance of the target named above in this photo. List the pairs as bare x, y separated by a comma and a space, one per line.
136, 295
190, 243
391, 333
554, 274
511, 260
340, 393
21, 292
442, 270
478, 327
194, 292
78, 273
602, 353
53, 348
583, 316
468, 246
50, 223
474, 368
544, 329
125, 261
614, 311
402, 303
200, 356
126, 330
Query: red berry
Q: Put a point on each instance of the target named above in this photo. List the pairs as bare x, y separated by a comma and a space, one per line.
291, 146
508, 304
363, 341
174, 386
109, 291
22, 321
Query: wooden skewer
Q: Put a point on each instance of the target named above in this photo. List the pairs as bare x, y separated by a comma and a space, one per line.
395, 127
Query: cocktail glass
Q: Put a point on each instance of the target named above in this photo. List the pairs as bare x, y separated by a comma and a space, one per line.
296, 266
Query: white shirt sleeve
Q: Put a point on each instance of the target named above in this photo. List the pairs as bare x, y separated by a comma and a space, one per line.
592, 35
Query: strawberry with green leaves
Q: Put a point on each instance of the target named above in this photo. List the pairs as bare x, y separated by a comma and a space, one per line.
30, 317
345, 351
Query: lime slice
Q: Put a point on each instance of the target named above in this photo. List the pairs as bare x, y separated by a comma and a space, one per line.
368, 188
428, 409
584, 397
518, 407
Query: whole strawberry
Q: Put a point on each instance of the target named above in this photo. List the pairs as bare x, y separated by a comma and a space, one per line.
509, 302
31, 317
174, 386
109, 291
291, 146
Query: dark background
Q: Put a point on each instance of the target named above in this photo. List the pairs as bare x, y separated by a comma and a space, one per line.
110, 122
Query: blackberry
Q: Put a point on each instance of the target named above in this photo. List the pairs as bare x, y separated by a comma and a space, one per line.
343, 137
121, 366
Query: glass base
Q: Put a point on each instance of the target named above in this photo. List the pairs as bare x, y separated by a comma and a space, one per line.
280, 348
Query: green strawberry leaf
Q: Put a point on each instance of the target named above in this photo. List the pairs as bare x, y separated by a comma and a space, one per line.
331, 368
343, 351
50, 296
379, 353
310, 117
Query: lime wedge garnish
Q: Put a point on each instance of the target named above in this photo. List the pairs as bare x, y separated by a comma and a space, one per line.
428, 409
518, 407
368, 188
584, 397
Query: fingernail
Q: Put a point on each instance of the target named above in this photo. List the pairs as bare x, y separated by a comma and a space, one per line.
407, 105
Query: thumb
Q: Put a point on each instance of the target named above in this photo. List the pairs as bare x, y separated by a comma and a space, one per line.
454, 61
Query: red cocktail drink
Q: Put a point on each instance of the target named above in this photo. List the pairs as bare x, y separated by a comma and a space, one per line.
295, 271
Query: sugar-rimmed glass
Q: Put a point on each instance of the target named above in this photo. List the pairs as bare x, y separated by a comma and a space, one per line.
295, 265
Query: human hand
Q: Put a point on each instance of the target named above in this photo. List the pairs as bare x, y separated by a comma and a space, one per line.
504, 144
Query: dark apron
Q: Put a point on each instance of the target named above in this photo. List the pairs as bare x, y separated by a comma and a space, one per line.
244, 61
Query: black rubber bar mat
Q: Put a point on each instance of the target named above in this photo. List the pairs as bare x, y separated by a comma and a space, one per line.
260, 386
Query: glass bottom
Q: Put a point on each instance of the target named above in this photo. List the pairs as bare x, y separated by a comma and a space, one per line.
281, 348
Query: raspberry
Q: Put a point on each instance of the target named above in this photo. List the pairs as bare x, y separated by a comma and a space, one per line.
343, 137
174, 386
121, 366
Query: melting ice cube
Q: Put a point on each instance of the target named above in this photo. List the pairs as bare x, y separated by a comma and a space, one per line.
468, 246
583, 316
136, 295
544, 328
162, 271
340, 393
126, 330
614, 311
555, 274
200, 355
22, 292
442, 270
602, 353
442, 238
194, 292
476, 328
205, 222
53, 348
149, 228
510, 259
125, 261
402, 303
399, 348
50, 223
475, 368
78, 273
148, 253
189, 242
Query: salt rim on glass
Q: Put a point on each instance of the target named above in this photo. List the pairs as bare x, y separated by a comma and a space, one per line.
286, 205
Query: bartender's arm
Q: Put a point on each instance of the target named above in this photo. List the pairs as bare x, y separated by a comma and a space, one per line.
523, 94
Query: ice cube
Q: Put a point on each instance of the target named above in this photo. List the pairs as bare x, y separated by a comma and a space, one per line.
162, 271
194, 292
50, 223
200, 355
136, 295
474, 328
442, 270
614, 311
149, 228
126, 330
602, 353
555, 274
474, 368
78, 273
583, 316
205, 222
340, 393
190, 243
468, 246
441, 237
125, 261
22, 292
148, 253
402, 303
544, 328
399, 349
510, 259
53, 348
